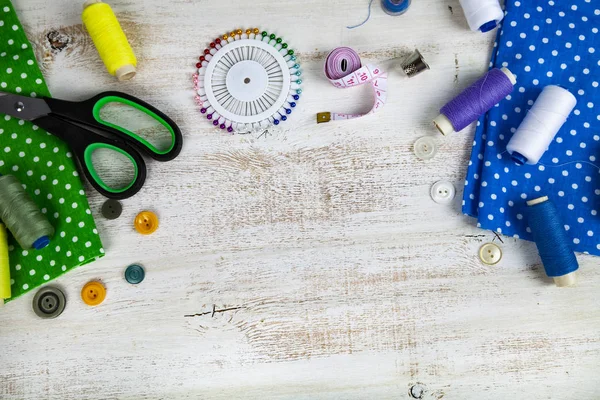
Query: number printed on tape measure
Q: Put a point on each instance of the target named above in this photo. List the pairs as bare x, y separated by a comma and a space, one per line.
366, 74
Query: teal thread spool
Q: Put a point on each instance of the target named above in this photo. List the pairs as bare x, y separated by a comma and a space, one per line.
21, 215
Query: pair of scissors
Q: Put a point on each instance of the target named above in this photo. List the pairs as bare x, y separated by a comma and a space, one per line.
79, 125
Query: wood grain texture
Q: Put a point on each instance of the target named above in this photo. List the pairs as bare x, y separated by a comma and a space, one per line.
307, 262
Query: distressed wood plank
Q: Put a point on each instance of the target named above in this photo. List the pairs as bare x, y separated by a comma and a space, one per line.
313, 256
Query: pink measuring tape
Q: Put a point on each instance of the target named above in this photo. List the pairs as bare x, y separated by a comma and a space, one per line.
344, 69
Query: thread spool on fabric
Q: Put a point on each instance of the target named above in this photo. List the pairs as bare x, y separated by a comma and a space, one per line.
4, 266
482, 15
475, 101
541, 124
552, 242
395, 7
22, 216
109, 39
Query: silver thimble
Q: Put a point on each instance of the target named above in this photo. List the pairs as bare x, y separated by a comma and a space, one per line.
414, 64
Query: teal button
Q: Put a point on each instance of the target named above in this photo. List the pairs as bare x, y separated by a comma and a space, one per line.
134, 274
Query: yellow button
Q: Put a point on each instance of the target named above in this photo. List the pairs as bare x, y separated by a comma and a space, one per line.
490, 254
146, 222
93, 293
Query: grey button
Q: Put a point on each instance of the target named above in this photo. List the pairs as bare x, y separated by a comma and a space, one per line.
111, 209
417, 391
49, 302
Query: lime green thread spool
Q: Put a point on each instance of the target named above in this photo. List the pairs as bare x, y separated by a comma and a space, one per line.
109, 39
5, 291
22, 216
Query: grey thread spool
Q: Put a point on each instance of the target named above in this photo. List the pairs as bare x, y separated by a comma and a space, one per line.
22, 216
414, 64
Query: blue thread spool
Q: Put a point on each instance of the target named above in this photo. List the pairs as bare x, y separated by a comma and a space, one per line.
395, 7
552, 242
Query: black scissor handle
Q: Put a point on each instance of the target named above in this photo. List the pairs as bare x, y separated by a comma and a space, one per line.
88, 112
83, 143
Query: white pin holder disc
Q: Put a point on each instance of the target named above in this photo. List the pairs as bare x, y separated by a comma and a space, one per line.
247, 82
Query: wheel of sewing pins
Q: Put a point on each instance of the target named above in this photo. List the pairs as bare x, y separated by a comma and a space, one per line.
247, 81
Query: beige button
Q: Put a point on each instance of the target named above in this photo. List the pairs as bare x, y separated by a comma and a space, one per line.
425, 148
490, 254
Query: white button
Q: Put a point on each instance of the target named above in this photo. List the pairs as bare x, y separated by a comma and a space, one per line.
490, 254
443, 192
425, 148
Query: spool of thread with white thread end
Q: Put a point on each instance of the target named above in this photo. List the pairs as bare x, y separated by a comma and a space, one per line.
482, 15
541, 124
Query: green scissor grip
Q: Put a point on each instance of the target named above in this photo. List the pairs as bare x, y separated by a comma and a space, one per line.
115, 99
94, 174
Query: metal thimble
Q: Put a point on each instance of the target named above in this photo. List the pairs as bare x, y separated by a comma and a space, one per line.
414, 64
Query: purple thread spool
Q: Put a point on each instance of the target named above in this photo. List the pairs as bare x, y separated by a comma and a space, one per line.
475, 101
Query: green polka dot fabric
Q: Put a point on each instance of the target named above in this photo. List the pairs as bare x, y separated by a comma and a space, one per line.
46, 169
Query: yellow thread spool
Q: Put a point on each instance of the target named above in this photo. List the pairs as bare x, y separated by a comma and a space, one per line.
4, 266
110, 40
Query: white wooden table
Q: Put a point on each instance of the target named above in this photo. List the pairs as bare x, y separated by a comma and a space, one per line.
317, 260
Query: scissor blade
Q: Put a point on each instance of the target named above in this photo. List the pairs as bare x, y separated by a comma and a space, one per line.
22, 107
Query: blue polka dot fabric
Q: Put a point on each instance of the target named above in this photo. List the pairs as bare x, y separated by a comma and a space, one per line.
543, 43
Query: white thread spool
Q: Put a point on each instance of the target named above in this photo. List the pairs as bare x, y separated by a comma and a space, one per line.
541, 124
482, 15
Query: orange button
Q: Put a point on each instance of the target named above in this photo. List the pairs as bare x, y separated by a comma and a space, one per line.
146, 222
93, 293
